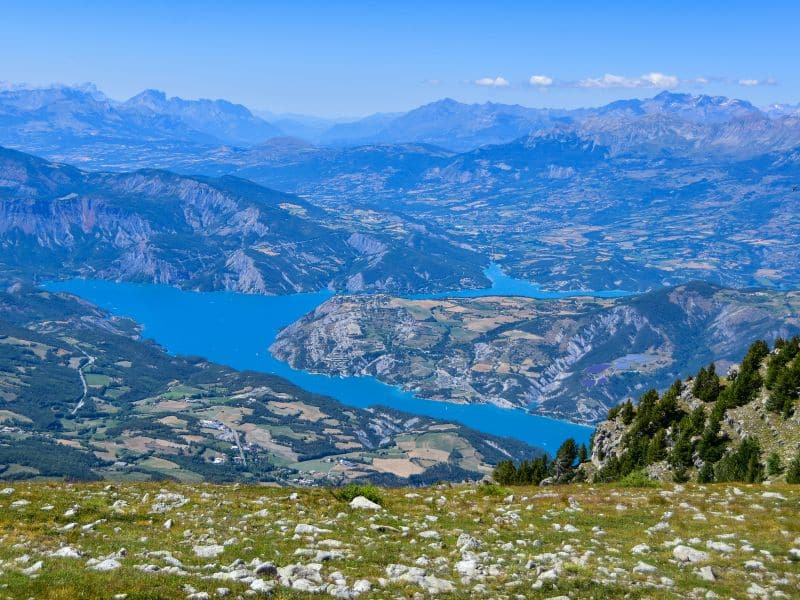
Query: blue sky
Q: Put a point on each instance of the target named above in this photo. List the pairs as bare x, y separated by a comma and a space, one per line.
355, 58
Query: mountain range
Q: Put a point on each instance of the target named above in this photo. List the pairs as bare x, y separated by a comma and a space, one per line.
60, 122
207, 234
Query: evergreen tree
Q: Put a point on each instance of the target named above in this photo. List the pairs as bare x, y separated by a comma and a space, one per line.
748, 381
711, 444
706, 385
565, 457
682, 451
583, 454
786, 352
743, 464
793, 472
627, 412
706, 473
774, 465
505, 473
657, 449
785, 389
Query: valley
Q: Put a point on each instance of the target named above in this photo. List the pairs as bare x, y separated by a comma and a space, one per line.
390, 261
146, 415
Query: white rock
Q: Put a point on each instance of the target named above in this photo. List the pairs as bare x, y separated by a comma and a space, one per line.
688, 554
362, 586
467, 542
774, 495
67, 552
34, 568
363, 503
167, 501
549, 575
467, 567
109, 564
707, 574
640, 549
209, 551
306, 529
259, 585
643, 567
720, 547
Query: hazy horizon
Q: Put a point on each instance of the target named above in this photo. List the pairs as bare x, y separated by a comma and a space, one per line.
348, 61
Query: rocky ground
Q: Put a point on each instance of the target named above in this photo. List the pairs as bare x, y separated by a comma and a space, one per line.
203, 541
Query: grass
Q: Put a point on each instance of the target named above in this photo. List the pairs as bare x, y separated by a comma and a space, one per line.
522, 530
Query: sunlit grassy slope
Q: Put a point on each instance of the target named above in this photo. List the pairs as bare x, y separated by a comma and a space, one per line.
175, 540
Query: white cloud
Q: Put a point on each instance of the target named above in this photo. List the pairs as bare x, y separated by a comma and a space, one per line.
648, 80
755, 82
492, 82
541, 80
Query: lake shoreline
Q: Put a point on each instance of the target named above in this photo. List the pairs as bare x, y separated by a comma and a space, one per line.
237, 329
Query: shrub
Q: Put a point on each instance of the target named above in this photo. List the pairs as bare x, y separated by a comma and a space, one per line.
351, 490
638, 479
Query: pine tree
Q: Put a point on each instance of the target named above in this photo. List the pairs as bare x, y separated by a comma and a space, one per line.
505, 473
706, 474
627, 412
565, 457
743, 464
706, 385
774, 465
657, 450
583, 454
786, 352
681, 455
793, 472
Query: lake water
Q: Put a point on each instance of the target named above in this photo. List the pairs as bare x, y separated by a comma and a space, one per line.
504, 285
236, 330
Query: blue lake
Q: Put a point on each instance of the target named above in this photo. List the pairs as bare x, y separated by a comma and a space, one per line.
237, 329
504, 285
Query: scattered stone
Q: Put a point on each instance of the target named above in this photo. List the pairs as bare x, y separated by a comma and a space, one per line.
643, 567
360, 502
689, 554
109, 564
211, 551
706, 574
66, 552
